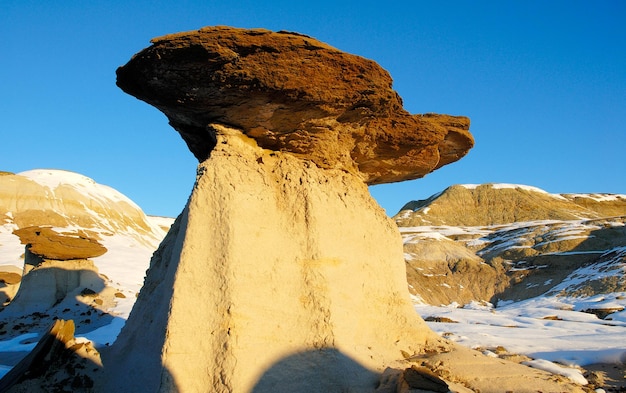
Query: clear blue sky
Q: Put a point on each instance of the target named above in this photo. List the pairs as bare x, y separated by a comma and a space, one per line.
544, 83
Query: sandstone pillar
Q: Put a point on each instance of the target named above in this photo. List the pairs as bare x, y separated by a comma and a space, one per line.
279, 276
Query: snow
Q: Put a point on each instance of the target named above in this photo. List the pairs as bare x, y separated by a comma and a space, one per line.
499, 186
554, 331
128, 255
598, 197
549, 329
160, 221
11, 249
105, 335
124, 264
21, 343
53, 178
545, 328
571, 373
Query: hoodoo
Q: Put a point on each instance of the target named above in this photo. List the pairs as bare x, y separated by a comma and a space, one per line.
282, 274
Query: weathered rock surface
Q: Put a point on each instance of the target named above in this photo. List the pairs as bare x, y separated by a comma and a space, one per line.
492, 204
442, 271
54, 226
48, 244
278, 276
48, 283
291, 93
55, 198
282, 274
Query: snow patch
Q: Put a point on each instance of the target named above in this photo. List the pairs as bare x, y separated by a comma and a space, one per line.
573, 374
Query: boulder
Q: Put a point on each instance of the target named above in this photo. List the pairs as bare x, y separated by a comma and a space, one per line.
292, 93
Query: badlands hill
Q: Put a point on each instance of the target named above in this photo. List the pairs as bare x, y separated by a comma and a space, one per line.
498, 242
492, 204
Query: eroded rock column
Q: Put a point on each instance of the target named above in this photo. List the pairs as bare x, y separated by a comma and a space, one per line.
280, 273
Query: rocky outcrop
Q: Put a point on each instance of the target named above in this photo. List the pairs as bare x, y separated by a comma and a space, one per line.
45, 368
606, 205
56, 265
47, 243
442, 271
291, 93
10, 278
70, 248
496, 242
281, 262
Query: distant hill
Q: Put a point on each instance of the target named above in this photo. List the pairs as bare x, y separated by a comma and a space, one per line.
497, 242
492, 204
69, 248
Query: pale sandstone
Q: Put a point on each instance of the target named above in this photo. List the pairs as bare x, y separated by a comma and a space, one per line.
273, 258
485, 205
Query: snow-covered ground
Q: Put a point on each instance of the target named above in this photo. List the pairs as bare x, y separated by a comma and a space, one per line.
547, 329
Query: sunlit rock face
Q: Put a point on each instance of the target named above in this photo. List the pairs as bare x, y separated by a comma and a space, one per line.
54, 225
292, 93
278, 276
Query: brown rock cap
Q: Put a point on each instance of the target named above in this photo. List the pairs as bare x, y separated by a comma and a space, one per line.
291, 93
47, 243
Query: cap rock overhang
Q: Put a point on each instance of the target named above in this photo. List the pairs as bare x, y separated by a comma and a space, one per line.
292, 93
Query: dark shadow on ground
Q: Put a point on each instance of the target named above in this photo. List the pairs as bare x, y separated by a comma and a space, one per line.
322, 370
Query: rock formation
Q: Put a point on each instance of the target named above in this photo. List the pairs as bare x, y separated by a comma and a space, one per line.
66, 215
58, 232
492, 204
282, 274
55, 198
45, 367
55, 266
